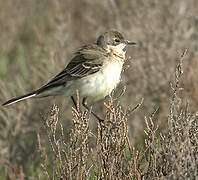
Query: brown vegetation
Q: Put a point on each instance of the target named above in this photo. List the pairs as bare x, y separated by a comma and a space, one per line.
37, 40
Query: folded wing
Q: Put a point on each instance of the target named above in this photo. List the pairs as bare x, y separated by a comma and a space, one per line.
87, 60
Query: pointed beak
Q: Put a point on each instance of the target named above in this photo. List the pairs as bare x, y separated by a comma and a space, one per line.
127, 42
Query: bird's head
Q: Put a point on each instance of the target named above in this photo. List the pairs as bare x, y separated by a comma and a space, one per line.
113, 40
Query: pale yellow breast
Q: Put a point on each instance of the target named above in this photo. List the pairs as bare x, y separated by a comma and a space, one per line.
102, 83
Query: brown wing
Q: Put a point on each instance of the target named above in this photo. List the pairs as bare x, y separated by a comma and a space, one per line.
87, 60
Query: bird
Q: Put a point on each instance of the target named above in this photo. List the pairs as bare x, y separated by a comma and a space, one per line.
95, 71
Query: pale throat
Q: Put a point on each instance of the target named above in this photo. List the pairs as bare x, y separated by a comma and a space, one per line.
117, 51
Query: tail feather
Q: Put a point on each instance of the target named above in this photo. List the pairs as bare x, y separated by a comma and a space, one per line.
21, 98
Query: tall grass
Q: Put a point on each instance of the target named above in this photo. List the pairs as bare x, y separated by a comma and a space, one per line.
37, 40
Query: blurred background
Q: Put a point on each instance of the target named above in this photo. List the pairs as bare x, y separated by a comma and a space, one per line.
38, 38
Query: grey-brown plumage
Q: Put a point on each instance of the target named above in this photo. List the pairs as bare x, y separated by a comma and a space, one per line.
89, 71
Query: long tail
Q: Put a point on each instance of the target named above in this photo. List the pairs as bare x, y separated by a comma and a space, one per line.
21, 98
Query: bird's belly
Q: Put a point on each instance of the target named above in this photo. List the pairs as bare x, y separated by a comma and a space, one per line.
100, 84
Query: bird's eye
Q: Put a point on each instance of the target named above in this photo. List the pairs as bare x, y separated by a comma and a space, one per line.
116, 40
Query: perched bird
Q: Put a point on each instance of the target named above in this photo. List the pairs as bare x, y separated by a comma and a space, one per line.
94, 71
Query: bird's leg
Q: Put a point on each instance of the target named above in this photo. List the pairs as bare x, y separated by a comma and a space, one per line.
75, 104
84, 103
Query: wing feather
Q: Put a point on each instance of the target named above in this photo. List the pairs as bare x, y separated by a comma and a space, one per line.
87, 60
